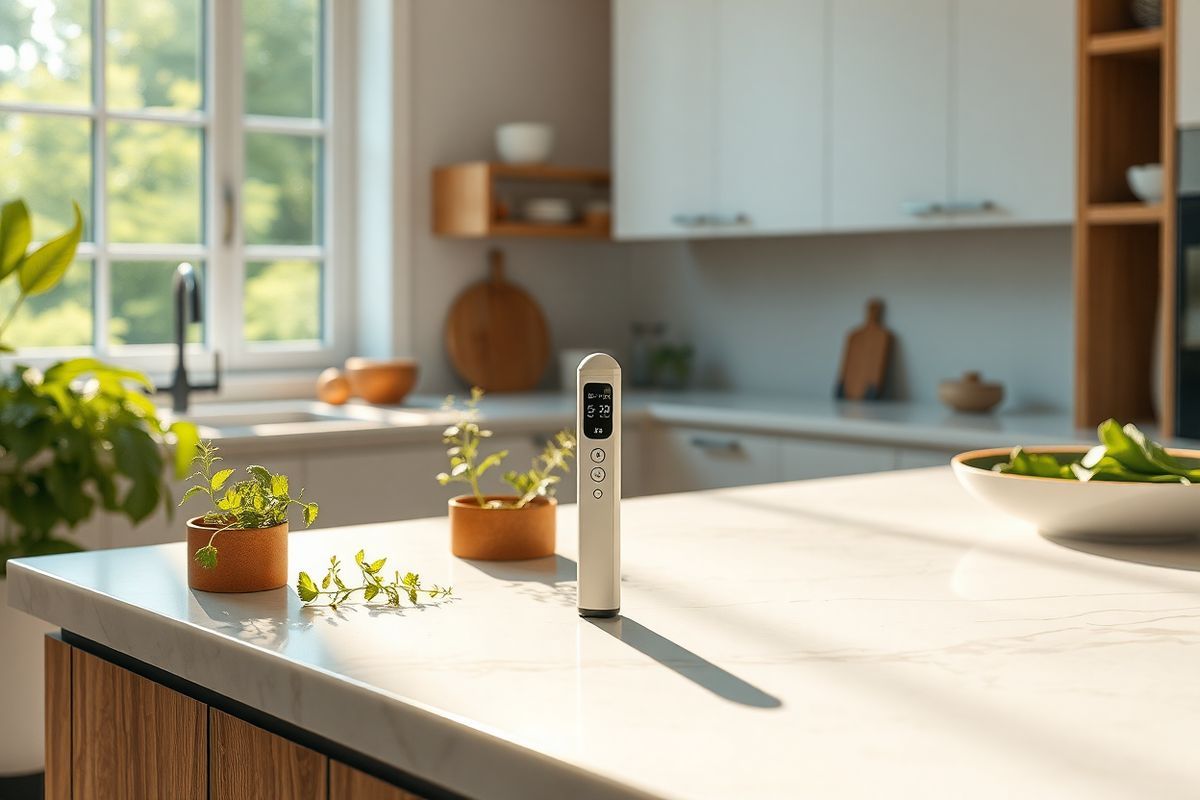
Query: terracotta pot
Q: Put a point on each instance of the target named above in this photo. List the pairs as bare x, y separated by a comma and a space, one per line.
385, 382
247, 560
502, 534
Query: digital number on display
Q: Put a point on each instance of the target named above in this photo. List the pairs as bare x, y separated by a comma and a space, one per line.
597, 410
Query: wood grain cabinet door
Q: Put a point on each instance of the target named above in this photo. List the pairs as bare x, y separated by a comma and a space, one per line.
246, 761
132, 738
347, 783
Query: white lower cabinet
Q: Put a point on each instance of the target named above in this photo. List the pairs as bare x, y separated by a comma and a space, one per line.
912, 459
681, 459
377, 484
803, 459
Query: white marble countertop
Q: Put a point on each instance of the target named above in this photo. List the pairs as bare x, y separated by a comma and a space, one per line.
878, 635
920, 425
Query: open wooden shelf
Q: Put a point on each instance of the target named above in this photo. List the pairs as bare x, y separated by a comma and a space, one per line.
1141, 42
1124, 251
466, 202
1125, 213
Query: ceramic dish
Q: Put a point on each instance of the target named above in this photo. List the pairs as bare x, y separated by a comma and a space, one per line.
1100, 511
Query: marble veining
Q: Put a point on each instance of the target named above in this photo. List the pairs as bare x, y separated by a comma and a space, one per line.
852, 637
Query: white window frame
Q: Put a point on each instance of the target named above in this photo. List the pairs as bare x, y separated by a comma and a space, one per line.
222, 127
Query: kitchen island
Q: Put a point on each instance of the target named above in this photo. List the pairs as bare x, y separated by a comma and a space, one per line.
851, 637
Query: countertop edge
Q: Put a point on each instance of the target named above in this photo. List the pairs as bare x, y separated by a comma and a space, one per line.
499, 767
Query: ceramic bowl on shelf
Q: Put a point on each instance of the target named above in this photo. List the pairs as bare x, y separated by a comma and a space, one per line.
381, 381
552, 210
1099, 511
1145, 181
524, 142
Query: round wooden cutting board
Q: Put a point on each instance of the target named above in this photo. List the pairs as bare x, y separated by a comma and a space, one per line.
496, 335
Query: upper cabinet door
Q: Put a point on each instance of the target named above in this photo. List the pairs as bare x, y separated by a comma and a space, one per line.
889, 118
771, 127
1187, 65
1013, 112
664, 115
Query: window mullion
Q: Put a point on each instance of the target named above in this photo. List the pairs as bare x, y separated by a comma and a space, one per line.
224, 98
101, 273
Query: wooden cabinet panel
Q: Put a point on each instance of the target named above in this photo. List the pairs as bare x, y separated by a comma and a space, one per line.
247, 761
347, 783
58, 719
889, 134
813, 459
132, 738
1013, 115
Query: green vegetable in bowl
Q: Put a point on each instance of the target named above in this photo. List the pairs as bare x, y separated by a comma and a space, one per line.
1124, 454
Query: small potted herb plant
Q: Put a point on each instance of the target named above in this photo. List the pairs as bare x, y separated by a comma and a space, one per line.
509, 527
241, 544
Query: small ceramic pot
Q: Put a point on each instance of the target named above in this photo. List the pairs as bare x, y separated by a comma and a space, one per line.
502, 534
382, 382
247, 560
971, 394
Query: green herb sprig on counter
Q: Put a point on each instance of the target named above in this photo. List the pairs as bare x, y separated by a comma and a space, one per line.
373, 585
260, 501
1124, 454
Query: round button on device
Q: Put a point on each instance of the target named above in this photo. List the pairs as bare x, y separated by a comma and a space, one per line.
597, 454
597, 474
597, 494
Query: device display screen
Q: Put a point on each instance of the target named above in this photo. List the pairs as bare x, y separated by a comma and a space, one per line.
597, 410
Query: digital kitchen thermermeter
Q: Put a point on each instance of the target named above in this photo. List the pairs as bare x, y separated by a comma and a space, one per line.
598, 420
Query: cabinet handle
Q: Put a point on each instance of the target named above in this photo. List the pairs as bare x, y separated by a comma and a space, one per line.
711, 220
968, 206
922, 208
716, 445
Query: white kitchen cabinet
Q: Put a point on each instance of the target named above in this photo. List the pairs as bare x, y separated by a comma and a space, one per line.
1188, 63
719, 127
913, 458
802, 459
888, 119
664, 114
683, 459
1013, 111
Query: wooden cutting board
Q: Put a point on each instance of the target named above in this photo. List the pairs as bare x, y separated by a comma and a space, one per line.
496, 334
865, 359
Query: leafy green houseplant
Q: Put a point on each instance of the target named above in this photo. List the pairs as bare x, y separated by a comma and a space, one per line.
80, 436
501, 527
250, 516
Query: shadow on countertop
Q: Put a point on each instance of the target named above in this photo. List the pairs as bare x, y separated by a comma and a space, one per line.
684, 662
1183, 555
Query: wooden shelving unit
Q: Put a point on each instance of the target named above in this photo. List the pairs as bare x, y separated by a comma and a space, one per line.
467, 200
1124, 268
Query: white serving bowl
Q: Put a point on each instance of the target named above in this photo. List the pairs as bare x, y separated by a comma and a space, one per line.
524, 142
1145, 181
1100, 511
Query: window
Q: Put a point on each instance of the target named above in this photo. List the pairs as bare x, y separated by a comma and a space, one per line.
187, 130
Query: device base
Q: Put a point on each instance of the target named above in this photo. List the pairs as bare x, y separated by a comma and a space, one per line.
599, 612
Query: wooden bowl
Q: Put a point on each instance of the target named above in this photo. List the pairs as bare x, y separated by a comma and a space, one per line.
971, 394
384, 382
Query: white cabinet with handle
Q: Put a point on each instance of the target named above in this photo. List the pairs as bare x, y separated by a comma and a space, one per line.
718, 121
888, 116
1012, 120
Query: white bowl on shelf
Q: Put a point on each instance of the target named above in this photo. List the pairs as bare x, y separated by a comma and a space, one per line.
524, 142
1145, 181
548, 210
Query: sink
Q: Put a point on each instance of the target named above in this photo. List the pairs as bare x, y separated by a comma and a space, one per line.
295, 417
253, 418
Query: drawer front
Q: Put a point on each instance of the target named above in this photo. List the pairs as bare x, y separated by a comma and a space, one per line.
690, 459
811, 459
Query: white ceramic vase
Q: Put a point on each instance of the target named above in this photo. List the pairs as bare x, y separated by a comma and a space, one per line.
22, 736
